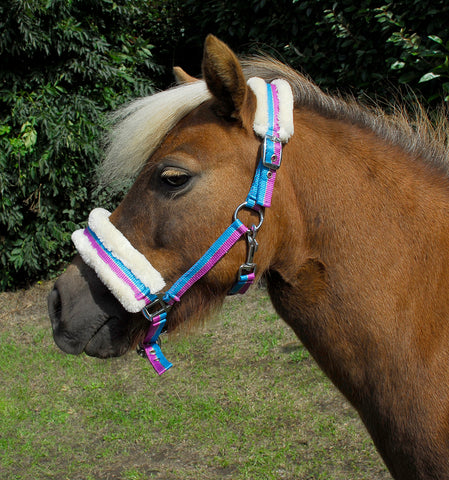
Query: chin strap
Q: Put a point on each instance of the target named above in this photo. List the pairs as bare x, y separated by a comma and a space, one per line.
277, 98
150, 347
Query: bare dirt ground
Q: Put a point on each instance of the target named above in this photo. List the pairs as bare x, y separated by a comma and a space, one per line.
23, 307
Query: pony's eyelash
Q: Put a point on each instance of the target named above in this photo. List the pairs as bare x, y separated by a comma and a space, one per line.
175, 180
173, 172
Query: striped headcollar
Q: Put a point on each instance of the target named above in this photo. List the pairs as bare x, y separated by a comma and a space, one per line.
131, 277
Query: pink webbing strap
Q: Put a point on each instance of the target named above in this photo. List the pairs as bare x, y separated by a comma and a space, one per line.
150, 348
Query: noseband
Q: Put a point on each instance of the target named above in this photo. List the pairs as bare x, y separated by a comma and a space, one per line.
132, 278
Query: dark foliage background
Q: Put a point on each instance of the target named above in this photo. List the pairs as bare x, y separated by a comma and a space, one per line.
65, 64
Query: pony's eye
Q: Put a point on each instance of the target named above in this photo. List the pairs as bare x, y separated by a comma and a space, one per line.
174, 177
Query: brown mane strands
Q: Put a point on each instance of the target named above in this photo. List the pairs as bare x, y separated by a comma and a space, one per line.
139, 128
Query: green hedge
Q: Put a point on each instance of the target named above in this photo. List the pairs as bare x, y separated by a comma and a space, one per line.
65, 64
353, 46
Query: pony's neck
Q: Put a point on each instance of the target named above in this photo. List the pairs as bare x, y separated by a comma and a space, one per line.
361, 279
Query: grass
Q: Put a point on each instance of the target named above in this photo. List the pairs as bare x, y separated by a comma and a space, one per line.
243, 401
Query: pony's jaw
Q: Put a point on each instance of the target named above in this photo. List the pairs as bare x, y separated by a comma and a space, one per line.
86, 317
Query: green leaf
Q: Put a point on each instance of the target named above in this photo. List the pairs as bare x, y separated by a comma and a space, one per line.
398, 65
436, 39
29, 135
4, 129
428, 76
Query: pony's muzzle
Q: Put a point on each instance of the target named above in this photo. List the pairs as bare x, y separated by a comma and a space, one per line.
54, 307
54, 304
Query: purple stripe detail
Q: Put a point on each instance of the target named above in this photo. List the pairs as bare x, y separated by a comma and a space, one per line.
278, 152
153, 329
271, 177
249, 280
108, 259
152, 355
111, 264
142, 296
277, 148
244, 289
276, 109
214, 259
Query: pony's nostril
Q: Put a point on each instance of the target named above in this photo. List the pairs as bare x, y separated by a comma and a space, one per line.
54, 307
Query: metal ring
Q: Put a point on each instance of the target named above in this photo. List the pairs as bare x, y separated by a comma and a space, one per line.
245, 205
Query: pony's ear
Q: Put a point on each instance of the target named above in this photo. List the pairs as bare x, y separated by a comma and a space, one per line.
182, 77
224, 77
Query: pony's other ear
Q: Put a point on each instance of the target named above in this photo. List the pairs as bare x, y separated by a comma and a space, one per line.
224, 77
182, 77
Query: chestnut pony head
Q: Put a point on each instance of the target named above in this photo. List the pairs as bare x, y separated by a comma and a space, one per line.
196, 152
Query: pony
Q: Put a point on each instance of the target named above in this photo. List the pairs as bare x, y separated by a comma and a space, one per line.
354, 249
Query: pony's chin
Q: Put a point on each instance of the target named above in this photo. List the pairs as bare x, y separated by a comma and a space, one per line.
110, 340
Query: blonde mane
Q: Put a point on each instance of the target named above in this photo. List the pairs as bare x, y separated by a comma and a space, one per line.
141, 126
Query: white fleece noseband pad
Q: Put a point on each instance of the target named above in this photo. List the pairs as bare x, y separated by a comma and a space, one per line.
126, 272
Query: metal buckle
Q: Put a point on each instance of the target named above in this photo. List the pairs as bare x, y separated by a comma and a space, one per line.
252, 246
164, 307
249, 266
247, 269
140, 349
268, 158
